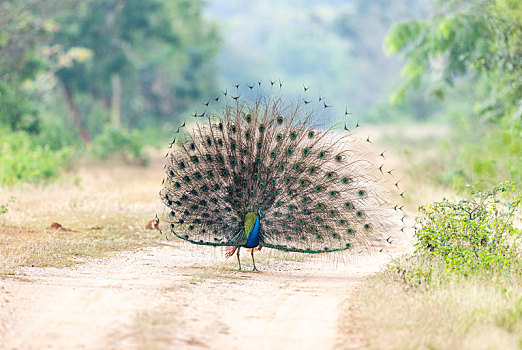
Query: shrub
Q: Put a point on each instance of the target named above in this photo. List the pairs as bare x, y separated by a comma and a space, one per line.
24, 160
473, 235
114, 141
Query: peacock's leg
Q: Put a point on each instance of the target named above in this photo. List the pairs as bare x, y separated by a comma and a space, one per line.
253, 262
239, 261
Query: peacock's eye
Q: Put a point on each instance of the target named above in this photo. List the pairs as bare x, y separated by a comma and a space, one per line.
311, 134
279, 120
279, 137
261, 128
248, 118
293, 135
338, 158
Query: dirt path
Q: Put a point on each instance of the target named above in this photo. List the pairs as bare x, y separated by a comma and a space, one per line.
181, 297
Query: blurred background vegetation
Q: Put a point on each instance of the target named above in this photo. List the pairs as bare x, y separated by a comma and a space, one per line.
108, 78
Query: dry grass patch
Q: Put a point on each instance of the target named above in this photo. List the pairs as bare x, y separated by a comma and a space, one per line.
26, 246
105, 206
483, 312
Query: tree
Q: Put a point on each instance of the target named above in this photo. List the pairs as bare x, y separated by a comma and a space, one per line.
480, 40
24, 26
138, 48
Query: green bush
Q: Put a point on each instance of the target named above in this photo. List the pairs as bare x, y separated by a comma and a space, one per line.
114, 141
476, 235
22, 159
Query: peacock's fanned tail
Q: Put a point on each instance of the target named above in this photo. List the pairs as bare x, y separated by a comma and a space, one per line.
318, 188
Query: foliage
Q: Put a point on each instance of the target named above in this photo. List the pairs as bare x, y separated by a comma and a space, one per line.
468, 53
24, 160
161, 50
4, 208
483, 157
481, 37
24, 26
471, 236
70, 69
120, 142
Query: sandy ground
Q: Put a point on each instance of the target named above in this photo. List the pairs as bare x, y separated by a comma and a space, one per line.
175, 297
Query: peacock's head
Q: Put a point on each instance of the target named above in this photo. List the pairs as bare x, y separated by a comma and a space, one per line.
259, 211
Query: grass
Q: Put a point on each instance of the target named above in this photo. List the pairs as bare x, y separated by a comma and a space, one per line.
25, 246
106, 207
480, 312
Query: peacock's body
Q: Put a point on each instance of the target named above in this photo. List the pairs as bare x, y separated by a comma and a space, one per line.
259, 171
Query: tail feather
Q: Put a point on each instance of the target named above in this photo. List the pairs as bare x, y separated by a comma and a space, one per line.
319, 189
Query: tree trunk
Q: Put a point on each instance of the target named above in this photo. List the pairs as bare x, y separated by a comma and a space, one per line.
86, 138
116, 99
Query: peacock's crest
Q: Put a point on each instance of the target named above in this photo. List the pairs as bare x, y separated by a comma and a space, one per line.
319, 189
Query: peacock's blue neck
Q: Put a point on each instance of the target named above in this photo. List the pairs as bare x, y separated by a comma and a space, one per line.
253, 236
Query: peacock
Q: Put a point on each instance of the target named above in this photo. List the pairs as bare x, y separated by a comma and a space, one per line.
258, 170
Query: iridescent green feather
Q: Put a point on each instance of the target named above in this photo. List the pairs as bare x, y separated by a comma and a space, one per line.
250, 221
